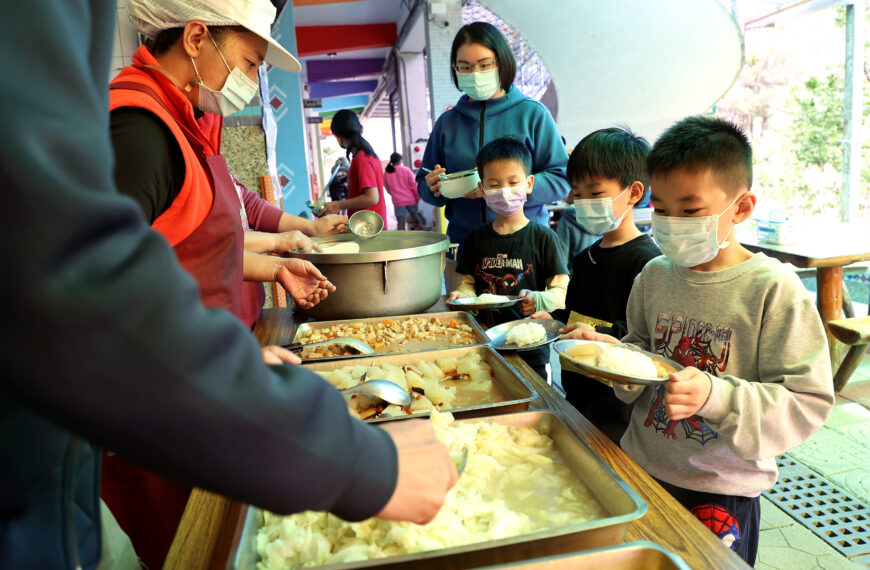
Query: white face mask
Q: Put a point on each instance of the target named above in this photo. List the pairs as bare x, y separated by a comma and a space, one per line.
237, 91
596, 216
479, 85
689, 242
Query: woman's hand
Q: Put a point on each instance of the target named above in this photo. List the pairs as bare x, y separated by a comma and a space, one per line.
541, 315
433, 179
330, 224
305, 283
279, 355
288, 241
576, 330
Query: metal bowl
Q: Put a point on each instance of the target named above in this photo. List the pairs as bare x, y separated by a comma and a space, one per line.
365, 224
458, 184
397, 274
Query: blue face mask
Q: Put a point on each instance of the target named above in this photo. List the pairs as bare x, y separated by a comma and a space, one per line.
479, 85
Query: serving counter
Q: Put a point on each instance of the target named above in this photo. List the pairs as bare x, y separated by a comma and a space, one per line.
205, 536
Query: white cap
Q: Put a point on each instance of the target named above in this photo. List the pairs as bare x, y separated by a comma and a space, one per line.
150, 17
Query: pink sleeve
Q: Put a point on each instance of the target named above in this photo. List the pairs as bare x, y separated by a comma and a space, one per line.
262, 215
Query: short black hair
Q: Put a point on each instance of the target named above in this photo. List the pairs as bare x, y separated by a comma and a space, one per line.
698, 143
615, 153
489, 37
504, 148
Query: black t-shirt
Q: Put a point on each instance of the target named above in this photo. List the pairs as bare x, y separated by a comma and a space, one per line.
149, 166
507, 264
602, 281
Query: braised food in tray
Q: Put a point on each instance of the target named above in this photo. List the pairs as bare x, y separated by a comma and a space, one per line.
388, 335
445, 384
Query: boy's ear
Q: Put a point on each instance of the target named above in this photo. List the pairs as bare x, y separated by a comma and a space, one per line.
745, 207
480, 186
531, 183
635, 192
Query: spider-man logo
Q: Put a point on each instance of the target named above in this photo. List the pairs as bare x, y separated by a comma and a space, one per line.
719, 520
501, 285
693, 427
696, 349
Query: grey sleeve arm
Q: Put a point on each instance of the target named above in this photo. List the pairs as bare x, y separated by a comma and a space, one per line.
103, 331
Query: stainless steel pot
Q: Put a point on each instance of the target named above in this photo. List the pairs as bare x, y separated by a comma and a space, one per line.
395, 273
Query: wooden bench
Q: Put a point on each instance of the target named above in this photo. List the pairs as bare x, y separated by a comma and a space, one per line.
855, 333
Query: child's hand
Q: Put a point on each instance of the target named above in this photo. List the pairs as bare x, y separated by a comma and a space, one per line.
600, 337
527, 305
686, 393
576, 330
541, 315
455, 295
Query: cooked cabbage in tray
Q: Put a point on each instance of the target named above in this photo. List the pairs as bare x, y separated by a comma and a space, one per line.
514, 483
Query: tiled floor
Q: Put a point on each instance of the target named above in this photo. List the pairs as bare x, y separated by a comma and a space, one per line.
839, 452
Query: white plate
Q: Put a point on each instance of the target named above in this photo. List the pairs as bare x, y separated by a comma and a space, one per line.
472, 303
595, 348
498, 335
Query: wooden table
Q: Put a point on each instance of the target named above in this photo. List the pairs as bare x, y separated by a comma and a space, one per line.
827, 248
206, 530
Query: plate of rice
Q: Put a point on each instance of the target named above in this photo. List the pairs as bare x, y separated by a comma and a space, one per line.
623, 363
524, 334
484, 301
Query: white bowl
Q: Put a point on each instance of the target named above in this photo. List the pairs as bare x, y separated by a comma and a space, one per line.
458, 184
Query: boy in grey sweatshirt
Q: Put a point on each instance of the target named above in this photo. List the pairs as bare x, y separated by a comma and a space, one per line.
757, 380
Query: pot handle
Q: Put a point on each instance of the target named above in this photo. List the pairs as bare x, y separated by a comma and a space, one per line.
386, 280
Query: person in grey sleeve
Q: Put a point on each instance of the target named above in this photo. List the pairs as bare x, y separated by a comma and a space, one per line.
105, 342
757, 377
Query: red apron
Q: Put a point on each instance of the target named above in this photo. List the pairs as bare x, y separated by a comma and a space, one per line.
149, 507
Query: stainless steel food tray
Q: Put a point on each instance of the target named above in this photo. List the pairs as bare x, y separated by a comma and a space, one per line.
515, 388
628, 556
460, 317
620, 500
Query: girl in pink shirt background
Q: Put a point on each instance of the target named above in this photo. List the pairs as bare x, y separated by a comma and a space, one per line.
401, 186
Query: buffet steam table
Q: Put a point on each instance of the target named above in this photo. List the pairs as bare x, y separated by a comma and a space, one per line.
204, 537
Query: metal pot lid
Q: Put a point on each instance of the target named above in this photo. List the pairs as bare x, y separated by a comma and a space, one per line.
387, 246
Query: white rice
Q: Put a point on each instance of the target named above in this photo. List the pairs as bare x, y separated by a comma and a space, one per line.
490, 298
526, 334
627, 361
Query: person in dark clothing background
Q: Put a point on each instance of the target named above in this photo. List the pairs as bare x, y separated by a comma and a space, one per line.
107, 344
607, 170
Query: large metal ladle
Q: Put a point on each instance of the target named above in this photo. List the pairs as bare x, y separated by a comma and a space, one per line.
358, 345
385, 390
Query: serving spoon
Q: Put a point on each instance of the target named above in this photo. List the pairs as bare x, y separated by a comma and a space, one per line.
360, 346
385, 390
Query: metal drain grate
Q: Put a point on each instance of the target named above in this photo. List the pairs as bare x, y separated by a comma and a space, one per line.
835, 517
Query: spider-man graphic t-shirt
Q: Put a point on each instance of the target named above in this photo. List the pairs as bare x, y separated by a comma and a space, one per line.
507, 264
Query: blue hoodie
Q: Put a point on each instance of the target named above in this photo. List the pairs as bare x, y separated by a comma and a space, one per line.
458, 135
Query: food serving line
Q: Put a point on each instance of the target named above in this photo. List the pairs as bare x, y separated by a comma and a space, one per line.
397, 269
212, 525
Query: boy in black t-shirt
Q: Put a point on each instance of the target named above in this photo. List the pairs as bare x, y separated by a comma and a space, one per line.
607, 170
512, 256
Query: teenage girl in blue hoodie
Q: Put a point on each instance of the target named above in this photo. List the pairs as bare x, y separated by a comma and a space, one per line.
484, 68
